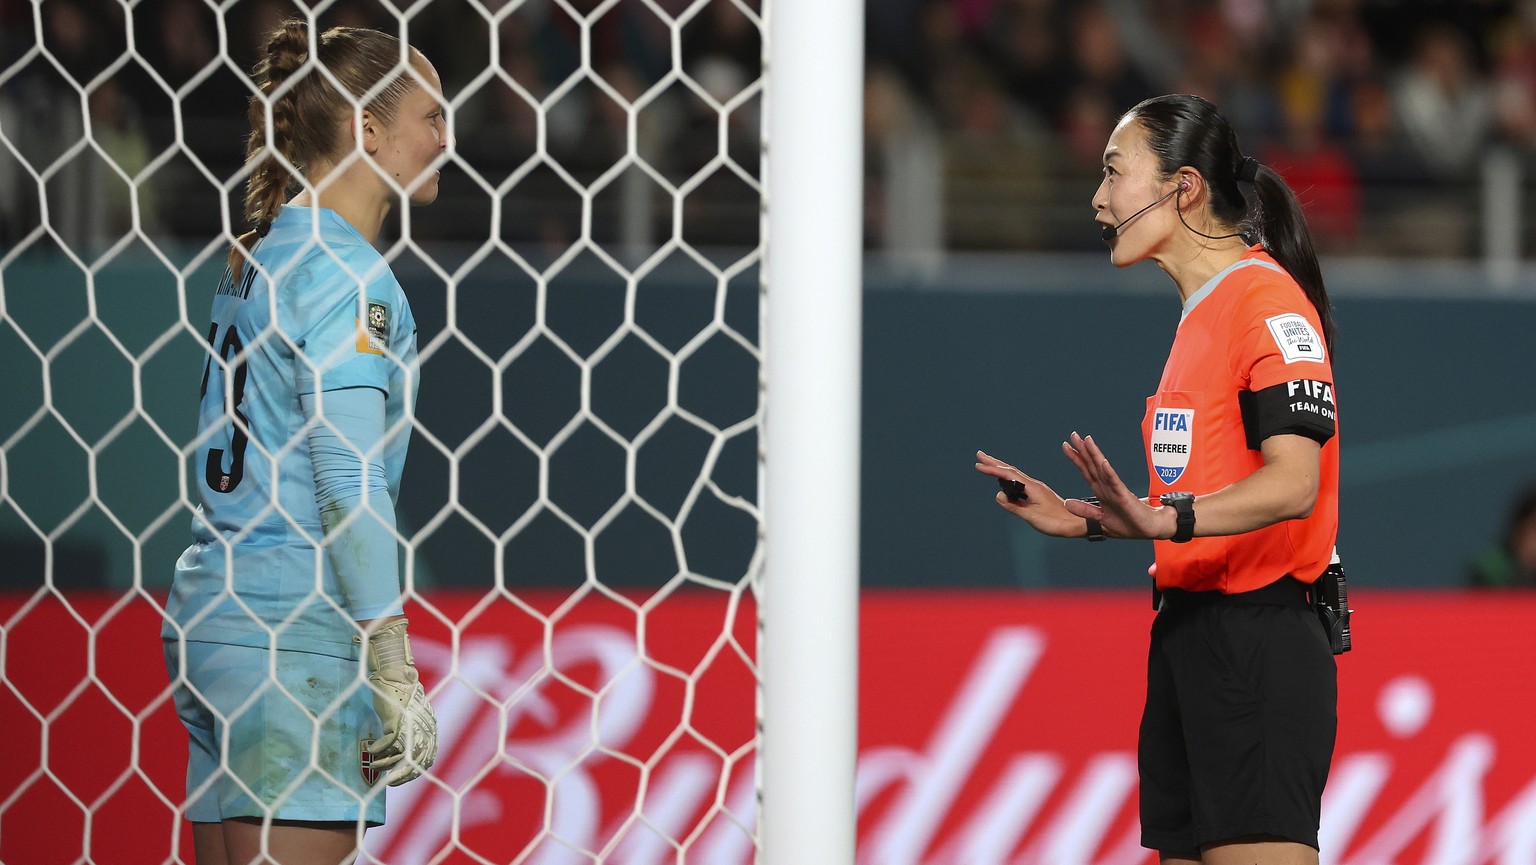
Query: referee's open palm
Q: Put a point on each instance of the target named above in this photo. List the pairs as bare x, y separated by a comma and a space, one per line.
1122, 513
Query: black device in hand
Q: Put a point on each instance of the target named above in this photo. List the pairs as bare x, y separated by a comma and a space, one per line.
1013, 489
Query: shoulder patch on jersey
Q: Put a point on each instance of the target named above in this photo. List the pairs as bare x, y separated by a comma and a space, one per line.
1297, 339
373, 334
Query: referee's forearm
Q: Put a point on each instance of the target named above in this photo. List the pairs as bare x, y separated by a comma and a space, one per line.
1273, 494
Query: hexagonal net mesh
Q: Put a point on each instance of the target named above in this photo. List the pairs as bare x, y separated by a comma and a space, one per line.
577, 524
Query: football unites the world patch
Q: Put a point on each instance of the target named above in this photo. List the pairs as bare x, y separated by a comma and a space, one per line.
373, 334
1173, 436
1297, 339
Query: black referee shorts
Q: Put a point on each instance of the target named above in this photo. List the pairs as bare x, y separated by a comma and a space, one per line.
1238, 730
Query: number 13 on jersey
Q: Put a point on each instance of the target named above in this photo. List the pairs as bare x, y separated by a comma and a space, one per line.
231, 354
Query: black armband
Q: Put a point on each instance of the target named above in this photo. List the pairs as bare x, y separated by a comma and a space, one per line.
1299, 407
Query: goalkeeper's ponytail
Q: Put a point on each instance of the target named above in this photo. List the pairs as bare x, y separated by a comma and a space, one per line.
300, 122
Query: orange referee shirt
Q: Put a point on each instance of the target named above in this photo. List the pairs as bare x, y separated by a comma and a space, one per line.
1249, 328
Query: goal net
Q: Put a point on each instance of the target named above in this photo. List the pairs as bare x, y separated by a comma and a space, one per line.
579, 518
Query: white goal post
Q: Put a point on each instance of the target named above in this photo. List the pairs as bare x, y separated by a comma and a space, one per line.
812, 332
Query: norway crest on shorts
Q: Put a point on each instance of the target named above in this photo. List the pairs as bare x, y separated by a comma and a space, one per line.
1172, 438
365, 762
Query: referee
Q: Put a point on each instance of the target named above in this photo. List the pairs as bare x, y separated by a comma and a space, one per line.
1241, 441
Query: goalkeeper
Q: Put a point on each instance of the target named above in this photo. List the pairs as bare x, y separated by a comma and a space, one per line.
284, 634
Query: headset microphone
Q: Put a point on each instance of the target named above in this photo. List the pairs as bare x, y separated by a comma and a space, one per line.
1108, 232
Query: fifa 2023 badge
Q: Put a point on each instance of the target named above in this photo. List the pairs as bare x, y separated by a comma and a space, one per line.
1297, 339
373, 334
1173, 435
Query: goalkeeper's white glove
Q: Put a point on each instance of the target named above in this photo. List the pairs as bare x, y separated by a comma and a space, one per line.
409, 743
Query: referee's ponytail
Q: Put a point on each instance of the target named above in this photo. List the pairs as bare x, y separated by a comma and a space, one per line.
1282, 229
1188, 130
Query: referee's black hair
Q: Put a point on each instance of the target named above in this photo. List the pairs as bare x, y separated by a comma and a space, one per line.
1188, 130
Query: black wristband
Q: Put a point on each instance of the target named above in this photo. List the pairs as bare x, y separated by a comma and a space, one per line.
1095, 529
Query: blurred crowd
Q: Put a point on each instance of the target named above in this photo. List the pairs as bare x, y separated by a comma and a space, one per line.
1509, 562
532, 133
1390, 119
985, 119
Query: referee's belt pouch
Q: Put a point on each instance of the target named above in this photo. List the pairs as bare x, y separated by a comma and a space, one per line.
1330, 598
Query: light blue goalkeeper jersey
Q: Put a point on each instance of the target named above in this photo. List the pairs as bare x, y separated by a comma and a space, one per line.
320, 312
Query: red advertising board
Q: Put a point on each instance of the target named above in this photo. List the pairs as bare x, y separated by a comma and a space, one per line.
995, 728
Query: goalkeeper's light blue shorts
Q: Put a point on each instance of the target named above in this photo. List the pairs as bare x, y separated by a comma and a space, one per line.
294, 732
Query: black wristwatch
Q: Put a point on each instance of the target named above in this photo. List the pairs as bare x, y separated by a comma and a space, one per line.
1095, 528
1183, 505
